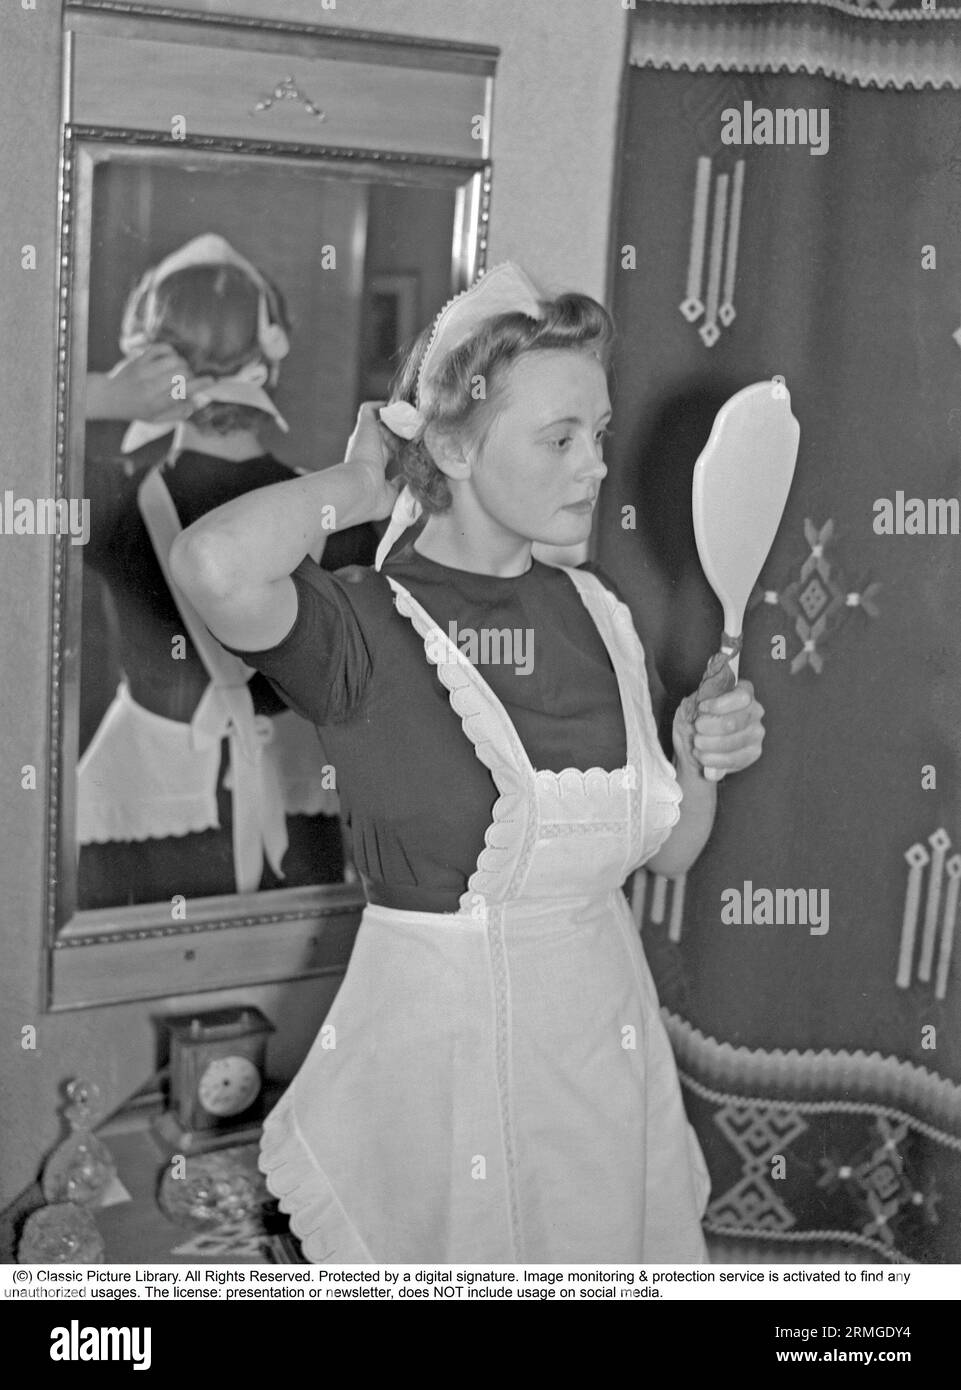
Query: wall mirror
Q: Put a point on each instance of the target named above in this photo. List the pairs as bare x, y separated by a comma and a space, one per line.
363, 244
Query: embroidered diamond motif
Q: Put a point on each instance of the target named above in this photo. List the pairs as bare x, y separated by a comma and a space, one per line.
813, 598
757, 1131
878, 1180
751, 1204
709, 333
820, 600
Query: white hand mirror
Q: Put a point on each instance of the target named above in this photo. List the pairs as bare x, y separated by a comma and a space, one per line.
741, 484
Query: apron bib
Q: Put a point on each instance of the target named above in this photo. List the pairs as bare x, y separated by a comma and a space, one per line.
496, 1084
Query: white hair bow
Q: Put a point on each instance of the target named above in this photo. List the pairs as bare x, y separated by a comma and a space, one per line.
402, 419
407, 510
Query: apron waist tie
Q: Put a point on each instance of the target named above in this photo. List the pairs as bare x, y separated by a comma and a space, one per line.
259, 819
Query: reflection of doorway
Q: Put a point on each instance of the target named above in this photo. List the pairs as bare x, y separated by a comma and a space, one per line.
390, 324
407, 276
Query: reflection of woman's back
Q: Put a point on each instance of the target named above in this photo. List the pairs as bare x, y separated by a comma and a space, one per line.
186, 788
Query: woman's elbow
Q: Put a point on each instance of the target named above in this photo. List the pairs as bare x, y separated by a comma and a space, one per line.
201, 566
674, 862
665, 867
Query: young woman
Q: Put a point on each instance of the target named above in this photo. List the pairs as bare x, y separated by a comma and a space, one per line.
198, 780
493, 1082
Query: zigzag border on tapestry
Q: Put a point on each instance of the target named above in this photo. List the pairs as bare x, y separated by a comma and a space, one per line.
904, 49
868, 1080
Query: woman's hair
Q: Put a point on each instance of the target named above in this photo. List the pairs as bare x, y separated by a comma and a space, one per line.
209, 315
571, 321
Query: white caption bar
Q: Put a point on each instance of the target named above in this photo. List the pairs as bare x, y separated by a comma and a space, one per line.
172, 1283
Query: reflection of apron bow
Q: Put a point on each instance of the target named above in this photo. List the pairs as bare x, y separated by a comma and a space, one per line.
226, 710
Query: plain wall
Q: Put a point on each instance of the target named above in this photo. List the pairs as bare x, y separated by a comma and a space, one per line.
556, 102
554, 136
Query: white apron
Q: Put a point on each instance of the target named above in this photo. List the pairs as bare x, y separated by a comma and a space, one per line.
144, 776
495, 1084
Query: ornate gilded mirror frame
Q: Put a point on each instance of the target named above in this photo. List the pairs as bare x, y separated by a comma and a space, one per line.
104, 956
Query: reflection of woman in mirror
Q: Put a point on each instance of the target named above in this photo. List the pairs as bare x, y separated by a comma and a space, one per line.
197, 781
493, 1081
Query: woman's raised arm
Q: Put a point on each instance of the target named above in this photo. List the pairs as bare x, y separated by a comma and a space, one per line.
235, 563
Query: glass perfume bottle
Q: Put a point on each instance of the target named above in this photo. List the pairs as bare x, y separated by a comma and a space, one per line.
82, 1167
61, 1234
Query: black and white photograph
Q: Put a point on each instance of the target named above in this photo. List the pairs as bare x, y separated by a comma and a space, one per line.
480, 781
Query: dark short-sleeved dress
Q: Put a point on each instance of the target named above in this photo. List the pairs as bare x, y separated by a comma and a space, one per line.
493, 1081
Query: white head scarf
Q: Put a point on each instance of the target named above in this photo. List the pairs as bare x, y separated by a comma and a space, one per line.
244, 387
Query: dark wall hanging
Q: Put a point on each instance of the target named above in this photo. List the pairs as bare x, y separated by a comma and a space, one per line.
822, 1067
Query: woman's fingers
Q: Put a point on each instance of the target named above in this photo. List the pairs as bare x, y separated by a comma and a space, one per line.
725, 743
726, 732
728, 712
367, 447
160, 365
721, 725
729, 729
735, 761
741, 697
734, 748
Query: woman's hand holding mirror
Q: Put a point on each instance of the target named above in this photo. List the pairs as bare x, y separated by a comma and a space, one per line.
724, 731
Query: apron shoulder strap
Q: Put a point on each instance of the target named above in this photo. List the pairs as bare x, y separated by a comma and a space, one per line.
163, 526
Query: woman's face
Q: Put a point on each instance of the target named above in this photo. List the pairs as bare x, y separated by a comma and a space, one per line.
538, 471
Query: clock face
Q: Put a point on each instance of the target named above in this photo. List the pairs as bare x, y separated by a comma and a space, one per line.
228, 1086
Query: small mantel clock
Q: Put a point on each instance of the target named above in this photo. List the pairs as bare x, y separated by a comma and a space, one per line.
217, 1078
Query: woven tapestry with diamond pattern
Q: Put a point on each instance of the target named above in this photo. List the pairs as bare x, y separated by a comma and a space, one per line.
821, 1061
